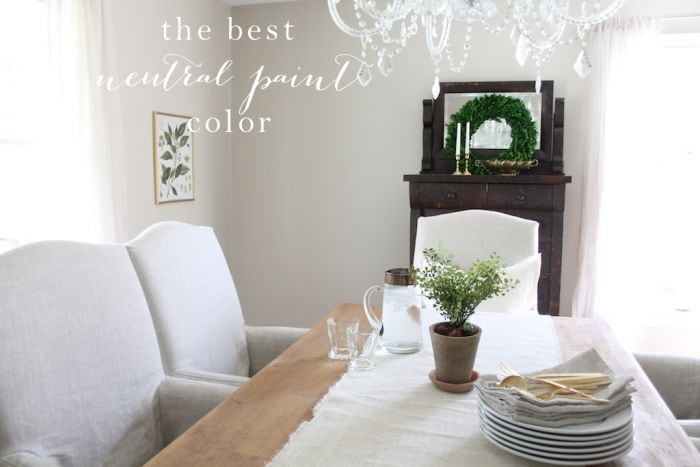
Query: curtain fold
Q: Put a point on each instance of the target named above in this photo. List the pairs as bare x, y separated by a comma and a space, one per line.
89, 124
63, 167
622, 51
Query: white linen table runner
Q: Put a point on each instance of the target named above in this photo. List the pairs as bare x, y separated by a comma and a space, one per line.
394, 416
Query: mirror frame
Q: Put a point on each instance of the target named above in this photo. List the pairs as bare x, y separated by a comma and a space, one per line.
493, 87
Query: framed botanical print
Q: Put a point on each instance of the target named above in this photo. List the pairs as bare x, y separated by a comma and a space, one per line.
173, 154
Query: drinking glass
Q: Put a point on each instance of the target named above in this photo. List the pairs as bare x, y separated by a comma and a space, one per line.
338, 335
362, 347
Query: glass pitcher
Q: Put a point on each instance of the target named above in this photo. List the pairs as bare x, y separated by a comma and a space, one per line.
401, 330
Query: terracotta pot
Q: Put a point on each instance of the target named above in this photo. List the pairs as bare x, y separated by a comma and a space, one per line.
454, 356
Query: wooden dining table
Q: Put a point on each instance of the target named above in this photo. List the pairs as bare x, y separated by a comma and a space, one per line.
255, 422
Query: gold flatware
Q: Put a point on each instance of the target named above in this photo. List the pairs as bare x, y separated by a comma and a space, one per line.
570, 385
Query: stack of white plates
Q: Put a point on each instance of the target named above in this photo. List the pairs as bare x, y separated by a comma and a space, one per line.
592, 443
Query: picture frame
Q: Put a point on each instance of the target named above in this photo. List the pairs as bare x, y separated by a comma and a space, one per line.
173, 158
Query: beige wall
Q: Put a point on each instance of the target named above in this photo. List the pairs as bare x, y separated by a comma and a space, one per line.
319, 206
139, 47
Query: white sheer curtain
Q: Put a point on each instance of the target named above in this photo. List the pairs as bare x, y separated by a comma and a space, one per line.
621, 124
66, 180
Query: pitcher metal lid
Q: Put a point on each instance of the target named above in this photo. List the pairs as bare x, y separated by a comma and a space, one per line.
399, 276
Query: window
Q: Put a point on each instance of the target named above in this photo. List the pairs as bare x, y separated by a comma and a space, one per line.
54, 165
24, 65
649, 251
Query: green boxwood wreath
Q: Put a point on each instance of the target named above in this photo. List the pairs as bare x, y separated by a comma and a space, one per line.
495, 107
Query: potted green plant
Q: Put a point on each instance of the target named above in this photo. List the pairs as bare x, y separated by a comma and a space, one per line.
457, 293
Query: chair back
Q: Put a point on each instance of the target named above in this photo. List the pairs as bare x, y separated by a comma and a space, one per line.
475, 234
79, 360
677, 378
192, 298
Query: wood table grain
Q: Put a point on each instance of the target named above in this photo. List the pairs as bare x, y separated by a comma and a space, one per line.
249, 427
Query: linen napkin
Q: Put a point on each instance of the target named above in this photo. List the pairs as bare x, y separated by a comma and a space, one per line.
560, 412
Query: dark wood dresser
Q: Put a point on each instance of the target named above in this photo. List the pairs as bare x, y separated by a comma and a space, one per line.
537, 195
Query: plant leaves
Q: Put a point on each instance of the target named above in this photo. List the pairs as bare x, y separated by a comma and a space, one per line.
167, 155
168, 139
457, 292
180, 130
174, 190
181, 169
166, 175
183, 140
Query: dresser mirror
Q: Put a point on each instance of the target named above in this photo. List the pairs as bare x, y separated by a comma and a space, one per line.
492, 137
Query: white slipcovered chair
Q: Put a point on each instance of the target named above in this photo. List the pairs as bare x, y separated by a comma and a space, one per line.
195, 307
81, 379
474, 235
677, 378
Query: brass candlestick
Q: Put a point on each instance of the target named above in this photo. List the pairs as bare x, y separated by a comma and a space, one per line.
457, 171
466, 165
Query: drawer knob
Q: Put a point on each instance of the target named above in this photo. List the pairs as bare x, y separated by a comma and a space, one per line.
451, 195
519, 197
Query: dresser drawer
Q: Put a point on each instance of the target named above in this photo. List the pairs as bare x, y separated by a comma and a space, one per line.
513, 196
448, 196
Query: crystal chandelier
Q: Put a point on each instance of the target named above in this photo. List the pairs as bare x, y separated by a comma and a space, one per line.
537, 28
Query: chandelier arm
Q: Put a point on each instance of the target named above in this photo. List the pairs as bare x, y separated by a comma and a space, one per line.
343, 26
385, 15
425, 12
586, 20
444, 36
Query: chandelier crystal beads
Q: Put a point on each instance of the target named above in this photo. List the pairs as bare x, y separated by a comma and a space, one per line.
536, 28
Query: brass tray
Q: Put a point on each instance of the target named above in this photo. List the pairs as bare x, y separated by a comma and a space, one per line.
510, 168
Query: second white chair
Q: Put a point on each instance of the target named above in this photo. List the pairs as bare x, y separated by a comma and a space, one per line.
474, 235
195, 307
